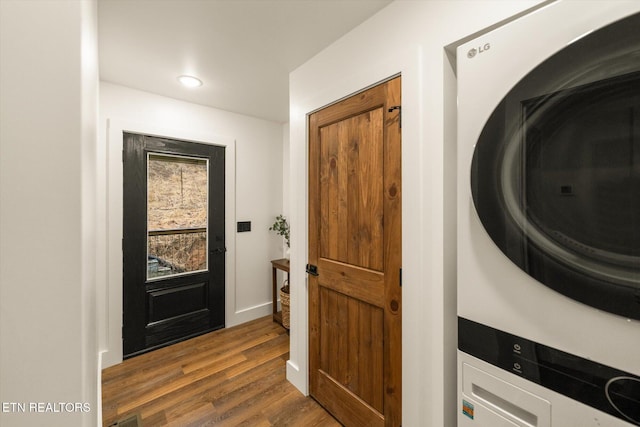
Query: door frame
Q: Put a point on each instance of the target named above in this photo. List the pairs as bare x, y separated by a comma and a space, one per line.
112, 349
308, 97
140, 292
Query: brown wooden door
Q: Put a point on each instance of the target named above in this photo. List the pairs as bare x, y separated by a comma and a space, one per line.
355, 243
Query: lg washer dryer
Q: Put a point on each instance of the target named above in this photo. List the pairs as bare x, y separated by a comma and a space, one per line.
549, 219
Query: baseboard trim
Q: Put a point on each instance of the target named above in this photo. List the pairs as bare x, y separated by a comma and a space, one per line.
297, 377
250, 313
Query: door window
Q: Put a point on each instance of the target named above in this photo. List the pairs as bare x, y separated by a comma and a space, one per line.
177, 206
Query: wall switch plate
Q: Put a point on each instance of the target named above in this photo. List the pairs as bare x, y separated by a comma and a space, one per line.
244, 226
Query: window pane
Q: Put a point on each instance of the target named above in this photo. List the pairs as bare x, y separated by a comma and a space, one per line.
177, 206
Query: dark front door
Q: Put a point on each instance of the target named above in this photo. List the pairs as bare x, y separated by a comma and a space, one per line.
173, 243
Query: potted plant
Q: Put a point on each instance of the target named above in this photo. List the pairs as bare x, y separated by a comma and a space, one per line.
281, 227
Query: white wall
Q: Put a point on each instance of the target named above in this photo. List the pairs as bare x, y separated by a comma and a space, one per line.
254, 184
285, 169
281, 275
48, 111
407, 37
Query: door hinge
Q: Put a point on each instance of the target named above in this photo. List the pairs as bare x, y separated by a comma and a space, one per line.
401, 277
312, 270
399, 108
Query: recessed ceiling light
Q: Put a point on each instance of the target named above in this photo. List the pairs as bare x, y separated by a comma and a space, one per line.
190, 81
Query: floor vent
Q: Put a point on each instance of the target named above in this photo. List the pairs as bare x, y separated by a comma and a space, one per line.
130, 421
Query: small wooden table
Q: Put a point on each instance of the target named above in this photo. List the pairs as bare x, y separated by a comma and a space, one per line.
278, 264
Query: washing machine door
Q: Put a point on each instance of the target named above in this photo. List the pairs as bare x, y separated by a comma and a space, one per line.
555, 174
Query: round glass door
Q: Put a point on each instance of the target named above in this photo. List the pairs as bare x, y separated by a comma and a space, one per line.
555, 174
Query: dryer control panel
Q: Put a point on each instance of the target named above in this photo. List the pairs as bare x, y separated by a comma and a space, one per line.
602, 387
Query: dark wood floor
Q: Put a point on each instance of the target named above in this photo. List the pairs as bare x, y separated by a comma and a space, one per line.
231, 377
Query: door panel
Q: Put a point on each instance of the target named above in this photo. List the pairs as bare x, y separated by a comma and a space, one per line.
351, 190
355, 241
172, 302
351, 350
173, 243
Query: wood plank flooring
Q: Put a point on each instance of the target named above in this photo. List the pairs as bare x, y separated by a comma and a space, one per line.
230, 377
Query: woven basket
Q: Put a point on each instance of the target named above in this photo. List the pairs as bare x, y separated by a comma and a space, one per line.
284, 302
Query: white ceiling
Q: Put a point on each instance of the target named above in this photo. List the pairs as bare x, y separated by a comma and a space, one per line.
243, 50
